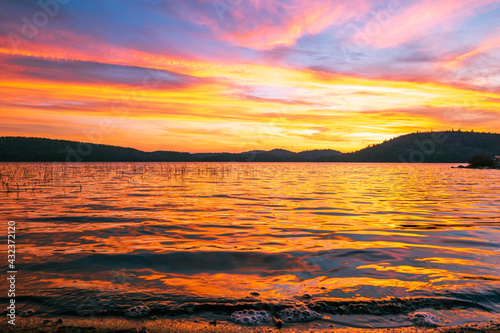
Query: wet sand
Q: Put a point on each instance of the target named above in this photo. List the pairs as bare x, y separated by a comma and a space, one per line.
201, 325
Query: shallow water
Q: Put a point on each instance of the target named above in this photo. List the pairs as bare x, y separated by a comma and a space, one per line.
369, 243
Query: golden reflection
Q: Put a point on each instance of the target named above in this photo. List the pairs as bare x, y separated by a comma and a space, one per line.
337, 231
456, 261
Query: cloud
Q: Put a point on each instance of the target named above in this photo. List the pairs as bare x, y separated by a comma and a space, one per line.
491, 43
268, 24
229, 71
419, 19
94, 72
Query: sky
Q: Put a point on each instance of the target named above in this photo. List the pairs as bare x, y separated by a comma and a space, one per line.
239, 75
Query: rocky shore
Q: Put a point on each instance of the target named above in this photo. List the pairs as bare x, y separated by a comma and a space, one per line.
202, 325
476, 167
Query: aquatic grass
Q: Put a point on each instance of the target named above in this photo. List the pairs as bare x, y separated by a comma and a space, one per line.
19, 177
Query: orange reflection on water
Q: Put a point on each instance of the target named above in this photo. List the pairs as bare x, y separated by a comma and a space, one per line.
457, 262
336, 231
279, 288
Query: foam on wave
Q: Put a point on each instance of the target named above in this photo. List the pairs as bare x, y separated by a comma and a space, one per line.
298, 314
250, 317
424, 319
137, 311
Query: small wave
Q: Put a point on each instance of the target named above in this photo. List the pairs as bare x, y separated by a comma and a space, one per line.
163, 305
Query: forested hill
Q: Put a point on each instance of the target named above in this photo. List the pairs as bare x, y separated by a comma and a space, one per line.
432, 147
21, 149
449, 146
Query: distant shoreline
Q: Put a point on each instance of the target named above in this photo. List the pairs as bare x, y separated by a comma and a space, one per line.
421, 147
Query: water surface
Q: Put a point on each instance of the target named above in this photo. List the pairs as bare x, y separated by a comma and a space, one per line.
357, 242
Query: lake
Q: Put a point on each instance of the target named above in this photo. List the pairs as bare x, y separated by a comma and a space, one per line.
358, 243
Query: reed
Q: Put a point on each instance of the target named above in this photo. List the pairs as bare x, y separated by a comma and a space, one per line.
19, 177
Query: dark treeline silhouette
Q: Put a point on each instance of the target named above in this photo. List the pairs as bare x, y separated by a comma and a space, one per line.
480, 160
22, 149
430, 147
434, 147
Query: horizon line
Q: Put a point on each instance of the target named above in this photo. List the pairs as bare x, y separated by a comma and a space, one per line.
254, 150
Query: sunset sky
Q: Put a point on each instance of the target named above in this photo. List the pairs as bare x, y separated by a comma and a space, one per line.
238, 75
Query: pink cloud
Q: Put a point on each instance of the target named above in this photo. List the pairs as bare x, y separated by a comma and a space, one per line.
461, 60
399, 24
266, 24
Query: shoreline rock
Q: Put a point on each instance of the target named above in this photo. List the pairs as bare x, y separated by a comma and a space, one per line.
476, 168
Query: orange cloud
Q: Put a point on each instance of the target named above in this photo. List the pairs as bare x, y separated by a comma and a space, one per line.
227, 114
230, 105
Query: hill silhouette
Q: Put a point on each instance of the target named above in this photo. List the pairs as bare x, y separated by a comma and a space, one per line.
431, 147
444, 147
22, 149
